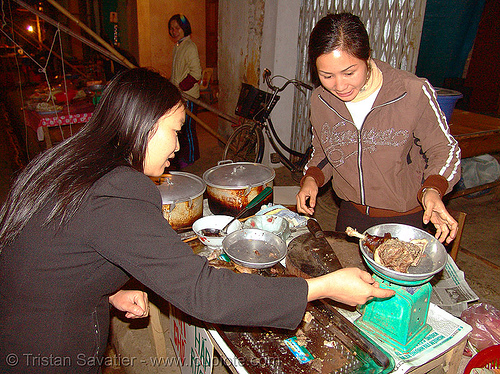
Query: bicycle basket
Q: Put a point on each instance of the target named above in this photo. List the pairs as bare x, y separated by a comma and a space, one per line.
252, 102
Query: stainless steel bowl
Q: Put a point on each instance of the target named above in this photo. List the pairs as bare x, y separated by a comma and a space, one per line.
433, 260
254, 248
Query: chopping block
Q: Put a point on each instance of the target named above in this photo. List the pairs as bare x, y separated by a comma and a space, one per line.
308, 257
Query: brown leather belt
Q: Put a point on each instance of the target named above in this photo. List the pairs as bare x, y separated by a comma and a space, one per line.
379, 212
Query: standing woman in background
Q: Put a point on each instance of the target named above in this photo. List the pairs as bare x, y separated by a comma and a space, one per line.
186, 72
378, 134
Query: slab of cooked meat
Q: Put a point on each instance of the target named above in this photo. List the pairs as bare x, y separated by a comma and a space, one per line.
370, 241
399, 255
395, 254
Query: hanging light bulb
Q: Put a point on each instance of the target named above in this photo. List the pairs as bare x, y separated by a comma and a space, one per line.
30, 28
115, 34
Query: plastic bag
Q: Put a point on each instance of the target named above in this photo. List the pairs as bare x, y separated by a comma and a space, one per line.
480, 170
485, 322
294, 219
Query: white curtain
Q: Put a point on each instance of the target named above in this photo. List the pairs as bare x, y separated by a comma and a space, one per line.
394, 28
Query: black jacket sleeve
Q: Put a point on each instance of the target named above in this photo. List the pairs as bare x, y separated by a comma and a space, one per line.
128, 229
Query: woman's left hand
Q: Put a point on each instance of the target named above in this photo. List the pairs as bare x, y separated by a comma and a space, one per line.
133, 302
435, 212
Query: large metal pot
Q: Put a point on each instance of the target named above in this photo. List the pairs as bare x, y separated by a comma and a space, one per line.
182, 198
232, 185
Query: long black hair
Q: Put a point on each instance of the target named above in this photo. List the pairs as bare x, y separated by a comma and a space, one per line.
343, 31
116, 135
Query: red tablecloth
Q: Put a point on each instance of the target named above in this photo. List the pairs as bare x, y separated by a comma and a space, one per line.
79, 112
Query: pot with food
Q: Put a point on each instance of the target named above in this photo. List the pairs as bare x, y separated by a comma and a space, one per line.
182, 198
232, 185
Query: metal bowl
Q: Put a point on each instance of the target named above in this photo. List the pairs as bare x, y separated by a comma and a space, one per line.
254, 248
433, 260
214, 222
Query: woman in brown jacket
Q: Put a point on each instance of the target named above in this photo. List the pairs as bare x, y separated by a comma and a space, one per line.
378, 135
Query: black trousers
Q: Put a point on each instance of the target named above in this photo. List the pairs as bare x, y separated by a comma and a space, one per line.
188, 141
348, 215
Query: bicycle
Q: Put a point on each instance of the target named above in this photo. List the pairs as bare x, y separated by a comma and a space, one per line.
247, 141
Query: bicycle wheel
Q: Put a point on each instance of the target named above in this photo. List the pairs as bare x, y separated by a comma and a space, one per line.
245, 145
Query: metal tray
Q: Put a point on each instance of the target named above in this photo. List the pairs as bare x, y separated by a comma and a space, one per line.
254, 248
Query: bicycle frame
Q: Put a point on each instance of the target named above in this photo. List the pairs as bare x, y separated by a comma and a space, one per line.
271, 133
247, 142
276, 143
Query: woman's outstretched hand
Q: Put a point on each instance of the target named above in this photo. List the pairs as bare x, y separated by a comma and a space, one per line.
435, 212
308, 191
351, 286
133, 302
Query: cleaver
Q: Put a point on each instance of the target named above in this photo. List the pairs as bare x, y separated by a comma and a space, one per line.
323, 246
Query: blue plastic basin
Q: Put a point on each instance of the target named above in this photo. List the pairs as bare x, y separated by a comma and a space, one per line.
447, 100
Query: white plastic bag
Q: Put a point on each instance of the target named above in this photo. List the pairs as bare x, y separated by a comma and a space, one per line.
485, 322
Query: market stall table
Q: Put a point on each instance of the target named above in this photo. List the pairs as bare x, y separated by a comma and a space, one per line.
257, 350
57, 125
476, 134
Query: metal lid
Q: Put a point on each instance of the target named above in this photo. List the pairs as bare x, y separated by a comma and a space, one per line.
179, 186
238, 175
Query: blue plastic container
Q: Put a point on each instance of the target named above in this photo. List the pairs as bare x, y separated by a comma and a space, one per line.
447, 100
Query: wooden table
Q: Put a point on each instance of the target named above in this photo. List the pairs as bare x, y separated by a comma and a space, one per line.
476, 134
56, 126
238, 360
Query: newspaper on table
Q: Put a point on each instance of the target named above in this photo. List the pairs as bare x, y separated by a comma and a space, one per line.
447, 331
450, 290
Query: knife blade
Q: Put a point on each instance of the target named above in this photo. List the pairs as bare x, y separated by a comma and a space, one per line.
333, 261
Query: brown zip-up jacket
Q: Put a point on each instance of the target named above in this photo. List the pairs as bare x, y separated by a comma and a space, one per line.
404, 145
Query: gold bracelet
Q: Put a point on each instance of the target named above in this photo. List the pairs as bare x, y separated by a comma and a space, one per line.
430, 188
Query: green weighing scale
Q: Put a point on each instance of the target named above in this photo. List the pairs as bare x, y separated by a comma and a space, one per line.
400, 321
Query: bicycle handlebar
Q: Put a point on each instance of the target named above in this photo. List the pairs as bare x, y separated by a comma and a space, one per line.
268, 79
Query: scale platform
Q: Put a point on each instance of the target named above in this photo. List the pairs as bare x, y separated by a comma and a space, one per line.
400, 321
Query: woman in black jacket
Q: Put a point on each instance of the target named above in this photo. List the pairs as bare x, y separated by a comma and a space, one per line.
84, 217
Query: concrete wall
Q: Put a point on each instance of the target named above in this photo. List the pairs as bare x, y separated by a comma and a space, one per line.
240, 40
254, 35
280, 56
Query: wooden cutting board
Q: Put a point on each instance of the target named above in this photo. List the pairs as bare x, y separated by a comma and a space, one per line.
306, 258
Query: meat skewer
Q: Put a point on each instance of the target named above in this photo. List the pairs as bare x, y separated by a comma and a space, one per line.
371, 241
